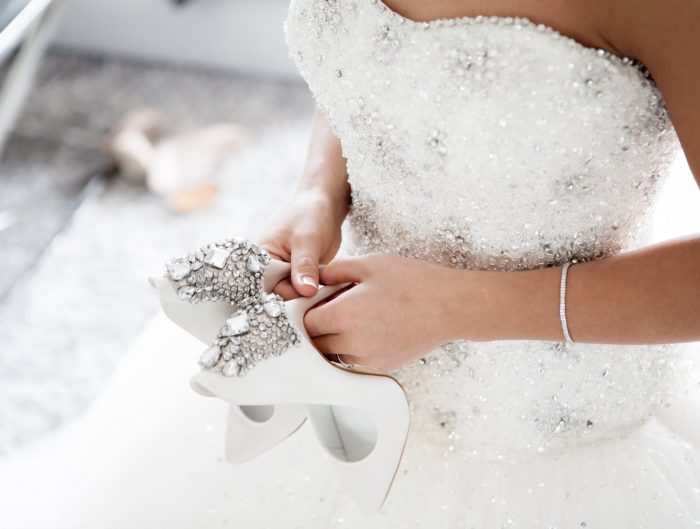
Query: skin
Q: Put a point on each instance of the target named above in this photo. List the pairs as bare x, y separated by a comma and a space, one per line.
400, 308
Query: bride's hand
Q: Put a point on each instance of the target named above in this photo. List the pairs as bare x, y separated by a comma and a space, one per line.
307, 232
399, 309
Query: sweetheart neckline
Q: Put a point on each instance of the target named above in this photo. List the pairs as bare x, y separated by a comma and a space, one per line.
523, 21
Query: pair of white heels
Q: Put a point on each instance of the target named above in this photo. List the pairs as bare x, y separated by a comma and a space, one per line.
262, 362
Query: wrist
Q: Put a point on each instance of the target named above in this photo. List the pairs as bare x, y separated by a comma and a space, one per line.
329, 184
335, 202
513, 305
467, 295
317, 202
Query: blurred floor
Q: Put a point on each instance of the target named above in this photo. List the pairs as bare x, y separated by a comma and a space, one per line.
68, 309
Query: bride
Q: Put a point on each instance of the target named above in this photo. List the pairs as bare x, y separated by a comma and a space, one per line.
477, 154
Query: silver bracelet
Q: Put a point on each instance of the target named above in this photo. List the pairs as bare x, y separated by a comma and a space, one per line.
562, 303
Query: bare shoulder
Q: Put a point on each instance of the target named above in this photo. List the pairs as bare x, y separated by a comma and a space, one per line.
665, 36
650, 29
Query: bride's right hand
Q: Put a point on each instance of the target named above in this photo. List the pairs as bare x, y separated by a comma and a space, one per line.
307, 232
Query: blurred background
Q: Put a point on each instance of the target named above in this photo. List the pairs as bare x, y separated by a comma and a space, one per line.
135, 131
132, 132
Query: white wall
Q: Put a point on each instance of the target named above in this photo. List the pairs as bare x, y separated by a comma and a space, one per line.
245, 35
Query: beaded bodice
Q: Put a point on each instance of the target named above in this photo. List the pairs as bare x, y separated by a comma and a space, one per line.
495, 143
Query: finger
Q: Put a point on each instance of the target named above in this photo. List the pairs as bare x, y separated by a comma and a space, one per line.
349, 269
353, 359
329, 345
325, 344
285, 289
339, 292
274, 249
319, 320
275, 255
350, 359
305, 255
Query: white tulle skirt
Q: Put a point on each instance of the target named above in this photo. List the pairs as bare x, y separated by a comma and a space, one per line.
149, 454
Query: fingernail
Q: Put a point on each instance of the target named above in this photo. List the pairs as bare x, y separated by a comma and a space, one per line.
308, 280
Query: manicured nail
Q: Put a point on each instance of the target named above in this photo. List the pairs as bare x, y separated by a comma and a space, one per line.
308, 280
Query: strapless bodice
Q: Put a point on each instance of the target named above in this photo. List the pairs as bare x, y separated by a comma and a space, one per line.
496, 143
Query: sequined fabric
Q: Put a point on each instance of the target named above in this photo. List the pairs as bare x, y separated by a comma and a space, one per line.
495, 143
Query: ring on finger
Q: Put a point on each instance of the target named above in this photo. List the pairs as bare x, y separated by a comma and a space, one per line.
342, 362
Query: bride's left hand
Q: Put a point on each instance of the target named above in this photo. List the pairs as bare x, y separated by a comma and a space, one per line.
399, 309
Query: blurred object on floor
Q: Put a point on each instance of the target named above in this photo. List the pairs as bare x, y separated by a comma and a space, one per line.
182, 167
192, 199
131, 145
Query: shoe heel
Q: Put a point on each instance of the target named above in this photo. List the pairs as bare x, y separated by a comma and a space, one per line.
360, 419
251, 430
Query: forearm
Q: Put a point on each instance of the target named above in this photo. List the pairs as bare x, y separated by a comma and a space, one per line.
650, 295
325, 168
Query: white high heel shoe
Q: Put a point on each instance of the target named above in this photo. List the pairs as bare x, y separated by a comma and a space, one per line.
254, 429
263, 354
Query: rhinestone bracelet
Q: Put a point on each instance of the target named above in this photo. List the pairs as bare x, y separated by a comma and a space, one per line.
562, 303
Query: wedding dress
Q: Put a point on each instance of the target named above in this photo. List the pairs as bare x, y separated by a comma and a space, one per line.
488, 143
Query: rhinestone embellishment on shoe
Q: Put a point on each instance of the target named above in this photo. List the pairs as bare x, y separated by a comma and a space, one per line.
258, 331
230, 270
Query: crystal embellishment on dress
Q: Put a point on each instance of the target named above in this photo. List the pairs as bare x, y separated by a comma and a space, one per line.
258, 331
496, 143
230, 270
